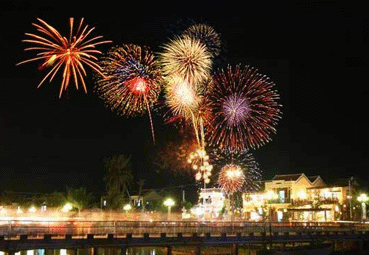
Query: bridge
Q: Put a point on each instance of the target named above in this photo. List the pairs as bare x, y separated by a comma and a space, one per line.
18, 235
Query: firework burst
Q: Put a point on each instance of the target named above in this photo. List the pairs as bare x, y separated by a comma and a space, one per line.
181, 97
187, 105
231, 178
199, 161
206, 35
187, 58
246, 162
245, 109
71, 54
132, 80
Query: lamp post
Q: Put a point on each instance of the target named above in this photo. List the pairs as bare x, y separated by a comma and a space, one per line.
363, 198
127, 207
67, 207
350, 196
169, 203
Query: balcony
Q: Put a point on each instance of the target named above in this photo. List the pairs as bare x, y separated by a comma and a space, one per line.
320, 201
279, 201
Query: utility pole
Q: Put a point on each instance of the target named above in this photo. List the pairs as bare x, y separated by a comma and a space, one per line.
350, 205
183, 194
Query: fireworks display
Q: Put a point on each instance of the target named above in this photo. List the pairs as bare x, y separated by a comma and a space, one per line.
186, 63
187, 58
131, 80
206, 35
69, 54
231, 178
245, 109
233, 110
246, 162
199, 161
174, 156
181, 97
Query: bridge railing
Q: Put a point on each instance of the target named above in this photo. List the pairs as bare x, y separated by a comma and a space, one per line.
39, 228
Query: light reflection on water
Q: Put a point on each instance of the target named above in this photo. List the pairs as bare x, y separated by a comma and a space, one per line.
176, 250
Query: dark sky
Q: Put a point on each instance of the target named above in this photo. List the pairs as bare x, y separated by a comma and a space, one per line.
316, 53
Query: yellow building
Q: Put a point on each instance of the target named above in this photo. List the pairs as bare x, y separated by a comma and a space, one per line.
295, 197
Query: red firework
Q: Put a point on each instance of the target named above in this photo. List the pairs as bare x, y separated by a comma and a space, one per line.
132, 80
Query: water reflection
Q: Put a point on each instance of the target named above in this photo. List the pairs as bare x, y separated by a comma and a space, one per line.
175, 250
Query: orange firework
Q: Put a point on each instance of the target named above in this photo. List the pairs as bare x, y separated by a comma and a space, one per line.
70, 54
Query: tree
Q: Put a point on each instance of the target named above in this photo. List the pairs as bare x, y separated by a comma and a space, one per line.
79, 198
186, 205
9, 197
55, 199
118, 178
140, 183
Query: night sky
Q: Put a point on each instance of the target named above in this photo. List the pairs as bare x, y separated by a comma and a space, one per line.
314, 52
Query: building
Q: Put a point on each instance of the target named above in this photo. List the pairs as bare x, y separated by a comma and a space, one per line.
296, 197
150, 198
211, 202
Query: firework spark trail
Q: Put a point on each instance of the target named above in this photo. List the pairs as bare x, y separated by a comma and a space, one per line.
72, 53
186, 63
132, 81
245, 109
183, 100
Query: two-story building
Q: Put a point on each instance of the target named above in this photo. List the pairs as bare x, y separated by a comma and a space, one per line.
296, 197
211, 202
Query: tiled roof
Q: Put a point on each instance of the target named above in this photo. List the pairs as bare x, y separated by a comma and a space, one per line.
312, 178
286, 177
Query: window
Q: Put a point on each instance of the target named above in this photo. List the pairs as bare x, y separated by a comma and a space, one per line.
282, 196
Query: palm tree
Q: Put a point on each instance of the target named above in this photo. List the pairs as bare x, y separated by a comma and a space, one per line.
118, 178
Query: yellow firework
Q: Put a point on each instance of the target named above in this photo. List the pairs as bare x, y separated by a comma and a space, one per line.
199, 161
181, 97
70, 53
187, 58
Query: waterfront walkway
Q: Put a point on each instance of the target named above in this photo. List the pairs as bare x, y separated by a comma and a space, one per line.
24, 235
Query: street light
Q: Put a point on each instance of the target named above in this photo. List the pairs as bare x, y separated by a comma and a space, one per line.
32, 209
67, 207
169, 203
363, 198
127, 207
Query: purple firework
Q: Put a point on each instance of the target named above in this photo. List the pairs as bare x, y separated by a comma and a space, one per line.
235, 109
245, 109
